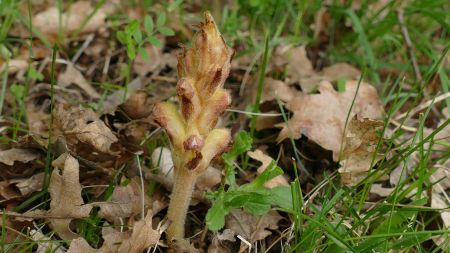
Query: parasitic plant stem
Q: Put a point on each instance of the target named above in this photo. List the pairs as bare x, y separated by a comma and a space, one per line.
191, 126
179, 202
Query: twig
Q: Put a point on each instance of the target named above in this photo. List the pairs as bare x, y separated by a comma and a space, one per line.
409, 44
424, 105
86, 43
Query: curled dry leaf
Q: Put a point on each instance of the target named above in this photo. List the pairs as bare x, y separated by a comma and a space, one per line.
321, 117
65, 193
220, 242
266, 160
125, 202
138, 105
14, 66
359, 150
113, 100
156, 60
142, 237
10, 156
437, 201
300, 70
50, 21
252, 227
80, 245
74, 76
29, 185
45, 244
79, 124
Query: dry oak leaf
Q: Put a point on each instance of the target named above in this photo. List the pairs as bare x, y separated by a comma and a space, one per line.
138, 105
10, 156
48, 21
74, 76
359, 150
300, 70
266, 160
83, 125
125, 202
252, 227
143, 236
439, 202
45, 244
65, 193
29, 185
321, 117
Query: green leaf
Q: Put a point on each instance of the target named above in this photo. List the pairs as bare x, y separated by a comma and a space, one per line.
131, 51
270, 172
242, 143
18, 91
4, 52
174, 5
154, 41
407, 241
341, 85
143, 53
282, 197
132, 27
121, 36
161, 20
166, 31
137, 35
34, 74
148, 24
257, 204
215, 217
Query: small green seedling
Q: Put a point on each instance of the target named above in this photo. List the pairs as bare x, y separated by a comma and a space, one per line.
135, 39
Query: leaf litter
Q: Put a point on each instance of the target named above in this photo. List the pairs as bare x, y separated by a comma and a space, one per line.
97, 142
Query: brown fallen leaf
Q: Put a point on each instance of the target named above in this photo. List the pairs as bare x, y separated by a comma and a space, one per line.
299, 68
359, 150
8, 191
15, 66
252, 227
45, 244
10, 156
142, 67
141, 237
321, 117
80, 245
277, 89
50, 22
221, 241
74, 76
65, 193
340, 71
138, 105
437, 201
125, 202
29, 185
79, 124
280, 180
113, 100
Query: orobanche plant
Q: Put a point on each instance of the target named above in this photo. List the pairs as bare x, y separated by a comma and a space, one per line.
202, 70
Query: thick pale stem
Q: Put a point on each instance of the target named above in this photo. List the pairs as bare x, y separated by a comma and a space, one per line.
183, 187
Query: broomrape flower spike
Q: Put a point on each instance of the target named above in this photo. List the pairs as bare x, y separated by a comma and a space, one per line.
202, 71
